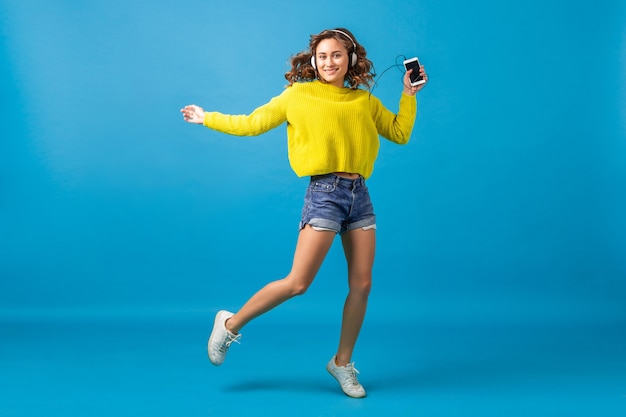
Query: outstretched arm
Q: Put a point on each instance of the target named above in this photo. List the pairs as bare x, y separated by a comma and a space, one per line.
262, 119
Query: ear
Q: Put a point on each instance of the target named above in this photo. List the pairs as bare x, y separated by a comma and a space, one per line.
313, 61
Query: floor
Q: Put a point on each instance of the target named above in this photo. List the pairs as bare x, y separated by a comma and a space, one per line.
122, 365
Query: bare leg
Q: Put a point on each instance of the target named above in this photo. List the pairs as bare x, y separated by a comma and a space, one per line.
359, 247
311, 250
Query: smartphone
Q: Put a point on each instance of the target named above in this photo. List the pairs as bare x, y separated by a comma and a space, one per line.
415, 77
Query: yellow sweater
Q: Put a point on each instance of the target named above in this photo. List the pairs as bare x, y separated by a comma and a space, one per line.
329, 129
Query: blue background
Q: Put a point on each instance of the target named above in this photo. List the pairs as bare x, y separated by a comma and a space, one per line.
501, 225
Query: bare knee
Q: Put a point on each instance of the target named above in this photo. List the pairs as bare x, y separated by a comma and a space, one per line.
299, 289
296, 286
361, 286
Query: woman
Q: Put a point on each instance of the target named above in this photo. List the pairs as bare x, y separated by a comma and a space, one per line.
333, 130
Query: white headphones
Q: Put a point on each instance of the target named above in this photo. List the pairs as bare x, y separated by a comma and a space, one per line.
353, 56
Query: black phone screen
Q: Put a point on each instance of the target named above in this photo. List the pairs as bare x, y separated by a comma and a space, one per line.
415, 66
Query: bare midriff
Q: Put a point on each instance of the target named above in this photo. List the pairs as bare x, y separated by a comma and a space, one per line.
348, 175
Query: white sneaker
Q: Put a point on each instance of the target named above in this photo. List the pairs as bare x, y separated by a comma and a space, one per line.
346, 376
221, 338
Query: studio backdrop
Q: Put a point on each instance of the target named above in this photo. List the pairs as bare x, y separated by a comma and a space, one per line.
507, 203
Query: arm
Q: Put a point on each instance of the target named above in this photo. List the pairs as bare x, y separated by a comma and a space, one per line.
398, 127
261, 120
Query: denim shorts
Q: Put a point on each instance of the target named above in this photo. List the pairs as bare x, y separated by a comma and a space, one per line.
339, 204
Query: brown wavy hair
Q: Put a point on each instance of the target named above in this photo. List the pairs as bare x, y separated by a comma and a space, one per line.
359, 74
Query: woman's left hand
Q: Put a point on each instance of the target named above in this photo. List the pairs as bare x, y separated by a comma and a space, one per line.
412, 90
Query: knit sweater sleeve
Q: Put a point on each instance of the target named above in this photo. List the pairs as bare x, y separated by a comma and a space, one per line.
261, 120
396, 127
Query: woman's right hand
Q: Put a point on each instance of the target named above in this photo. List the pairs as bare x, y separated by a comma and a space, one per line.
193, 114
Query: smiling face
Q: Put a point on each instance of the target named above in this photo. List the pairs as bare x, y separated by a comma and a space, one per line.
331, 60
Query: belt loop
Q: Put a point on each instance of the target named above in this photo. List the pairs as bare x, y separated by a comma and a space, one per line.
337, 180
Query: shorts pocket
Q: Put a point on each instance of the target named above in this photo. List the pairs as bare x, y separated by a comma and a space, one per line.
322, 187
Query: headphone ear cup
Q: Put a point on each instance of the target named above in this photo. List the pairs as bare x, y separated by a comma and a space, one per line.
313, 62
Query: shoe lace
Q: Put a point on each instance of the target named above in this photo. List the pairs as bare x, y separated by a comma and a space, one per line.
351, 373
228, 340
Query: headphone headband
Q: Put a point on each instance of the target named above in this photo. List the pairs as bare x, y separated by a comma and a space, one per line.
344, 34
